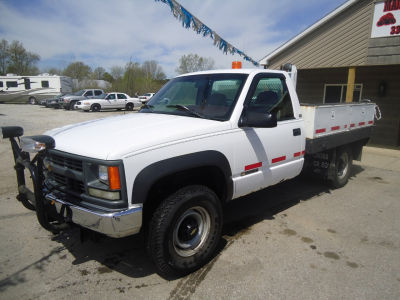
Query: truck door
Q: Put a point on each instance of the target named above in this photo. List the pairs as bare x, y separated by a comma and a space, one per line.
266, 156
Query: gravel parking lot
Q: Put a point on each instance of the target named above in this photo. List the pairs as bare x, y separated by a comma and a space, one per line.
296, 240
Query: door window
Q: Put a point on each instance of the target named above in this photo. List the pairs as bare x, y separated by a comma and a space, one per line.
271, 95
89, 94
121, 96
97, 92
45, 83
111, 97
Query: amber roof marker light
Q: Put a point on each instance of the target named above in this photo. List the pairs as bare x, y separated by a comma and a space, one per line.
236, 65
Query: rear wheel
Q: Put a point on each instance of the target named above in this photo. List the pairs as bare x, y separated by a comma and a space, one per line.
32, 100
343, 167
129, 106
184, 231
95, 107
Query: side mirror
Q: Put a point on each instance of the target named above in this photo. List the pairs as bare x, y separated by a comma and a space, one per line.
258, 119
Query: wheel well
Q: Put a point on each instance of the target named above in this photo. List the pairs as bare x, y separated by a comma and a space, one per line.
209, 176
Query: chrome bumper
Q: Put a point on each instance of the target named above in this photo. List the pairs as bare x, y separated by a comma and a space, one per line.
116, 224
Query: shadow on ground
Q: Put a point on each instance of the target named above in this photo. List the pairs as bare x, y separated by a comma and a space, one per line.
128, 255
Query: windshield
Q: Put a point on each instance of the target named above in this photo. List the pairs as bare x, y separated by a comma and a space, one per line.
79, 93
209, 96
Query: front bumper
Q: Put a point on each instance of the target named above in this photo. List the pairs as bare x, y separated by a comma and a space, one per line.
82, 106
114, 224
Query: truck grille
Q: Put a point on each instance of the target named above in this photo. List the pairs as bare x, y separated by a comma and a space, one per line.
68, 184
67, 162
66, 173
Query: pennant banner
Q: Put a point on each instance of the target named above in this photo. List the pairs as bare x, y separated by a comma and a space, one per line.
188, 20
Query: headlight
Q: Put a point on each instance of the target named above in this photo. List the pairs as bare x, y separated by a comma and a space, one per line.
103, 174
107, 184
110, 176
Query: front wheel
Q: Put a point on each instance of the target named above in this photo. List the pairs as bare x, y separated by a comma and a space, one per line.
184, 231
343, 167
95, 107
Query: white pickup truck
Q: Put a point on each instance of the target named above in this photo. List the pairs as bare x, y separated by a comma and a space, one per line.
204, 139
109, 101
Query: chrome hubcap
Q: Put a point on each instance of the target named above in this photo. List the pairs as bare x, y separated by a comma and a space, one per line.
191, 231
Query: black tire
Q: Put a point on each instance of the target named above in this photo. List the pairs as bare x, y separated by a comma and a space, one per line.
184, 231
32, 100
343, 168
129, 106
95, 107
72, 105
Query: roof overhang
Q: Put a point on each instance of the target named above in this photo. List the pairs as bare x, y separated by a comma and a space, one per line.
265, 61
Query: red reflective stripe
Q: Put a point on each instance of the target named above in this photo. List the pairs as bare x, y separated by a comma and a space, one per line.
361, 123
303, 152
278, 159
253, 166
370, 122
320, 130
335, 128
297, 154
353, 125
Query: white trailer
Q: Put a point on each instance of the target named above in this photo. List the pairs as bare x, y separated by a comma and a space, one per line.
30, 89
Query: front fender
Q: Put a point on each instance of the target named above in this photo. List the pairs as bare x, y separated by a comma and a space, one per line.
154, 172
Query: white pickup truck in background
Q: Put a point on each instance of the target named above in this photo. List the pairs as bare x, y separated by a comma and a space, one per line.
109, 101
204, 139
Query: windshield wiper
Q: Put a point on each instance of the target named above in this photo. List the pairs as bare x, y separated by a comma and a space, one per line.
186, 109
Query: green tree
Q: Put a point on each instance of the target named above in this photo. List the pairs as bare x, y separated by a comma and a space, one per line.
20, 61
107, 77
117, 72
193, 63
53, 71
98, 73
78, 70
4, 56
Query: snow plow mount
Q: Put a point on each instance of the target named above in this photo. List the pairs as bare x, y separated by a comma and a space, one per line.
33, 199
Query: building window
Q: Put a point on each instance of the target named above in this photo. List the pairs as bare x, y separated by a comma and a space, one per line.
45, 83
336, 93
12, 84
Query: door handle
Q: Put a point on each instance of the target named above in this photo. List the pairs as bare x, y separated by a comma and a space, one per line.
296, 131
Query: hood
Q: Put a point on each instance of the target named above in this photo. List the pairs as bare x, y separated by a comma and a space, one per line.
69, 97
115, 137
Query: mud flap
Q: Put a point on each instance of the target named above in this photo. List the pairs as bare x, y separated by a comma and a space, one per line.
321, 164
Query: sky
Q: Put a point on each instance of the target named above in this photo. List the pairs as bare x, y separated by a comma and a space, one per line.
112, 33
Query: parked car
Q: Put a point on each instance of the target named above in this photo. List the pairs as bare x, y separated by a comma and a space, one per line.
55, 102
146, 97
109, 101
69, 101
